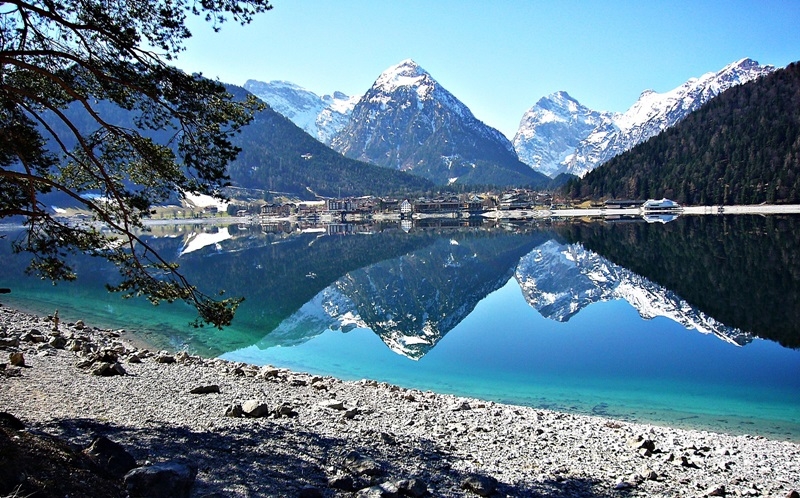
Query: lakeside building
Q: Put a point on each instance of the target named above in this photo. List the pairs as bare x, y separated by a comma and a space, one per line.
360, 208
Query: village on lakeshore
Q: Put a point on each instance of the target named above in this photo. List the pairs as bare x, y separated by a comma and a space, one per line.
515, 204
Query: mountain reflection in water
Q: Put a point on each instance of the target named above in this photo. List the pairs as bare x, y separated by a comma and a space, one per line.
710, 274
412, 301
658, 322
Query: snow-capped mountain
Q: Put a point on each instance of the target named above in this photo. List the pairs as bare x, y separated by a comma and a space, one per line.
560, 280
552, 129
413, 301
320, 117
408, 121
614, 133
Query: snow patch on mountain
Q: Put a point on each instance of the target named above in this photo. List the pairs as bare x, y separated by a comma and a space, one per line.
320, 116
551, 130
557, 136
560, 280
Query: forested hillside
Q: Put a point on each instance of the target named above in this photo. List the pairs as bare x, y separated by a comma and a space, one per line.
278, 156
742, 147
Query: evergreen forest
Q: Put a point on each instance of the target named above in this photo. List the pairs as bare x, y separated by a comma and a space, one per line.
742, 147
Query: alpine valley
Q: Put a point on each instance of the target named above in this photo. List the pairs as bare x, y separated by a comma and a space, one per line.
408, 121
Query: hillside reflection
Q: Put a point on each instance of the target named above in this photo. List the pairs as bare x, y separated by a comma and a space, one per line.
734, 277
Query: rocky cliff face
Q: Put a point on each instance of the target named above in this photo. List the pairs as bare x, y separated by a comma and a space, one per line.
553, 128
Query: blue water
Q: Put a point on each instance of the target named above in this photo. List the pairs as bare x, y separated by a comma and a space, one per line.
606, 361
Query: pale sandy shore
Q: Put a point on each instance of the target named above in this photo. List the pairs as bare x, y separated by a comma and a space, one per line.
320, 436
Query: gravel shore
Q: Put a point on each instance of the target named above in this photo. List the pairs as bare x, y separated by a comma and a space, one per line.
251, 431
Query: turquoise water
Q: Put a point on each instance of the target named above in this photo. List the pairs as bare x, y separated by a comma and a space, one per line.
524, 315
606, 361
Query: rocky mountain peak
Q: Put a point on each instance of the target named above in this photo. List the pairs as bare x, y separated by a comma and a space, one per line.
578, 150
320, 117
408, 121
551, 130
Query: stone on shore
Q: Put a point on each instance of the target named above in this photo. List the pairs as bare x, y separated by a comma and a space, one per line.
162, 480
337, 438
254, 408
17, 359
210, 389
110, 456
480, 485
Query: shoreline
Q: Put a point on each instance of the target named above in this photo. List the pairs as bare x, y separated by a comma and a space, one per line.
321, 433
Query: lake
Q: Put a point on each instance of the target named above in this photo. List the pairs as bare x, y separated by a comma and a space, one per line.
693, 323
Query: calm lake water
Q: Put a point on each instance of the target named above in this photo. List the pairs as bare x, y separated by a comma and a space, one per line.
693, 323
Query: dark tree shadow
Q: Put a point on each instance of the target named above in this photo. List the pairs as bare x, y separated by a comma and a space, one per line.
265, 457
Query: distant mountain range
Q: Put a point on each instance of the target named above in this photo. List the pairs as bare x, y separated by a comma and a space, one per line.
320, 117
742, 147
408, 121
559, 135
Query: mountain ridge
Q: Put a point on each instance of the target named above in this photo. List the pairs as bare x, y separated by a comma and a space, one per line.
616, 133
408, 121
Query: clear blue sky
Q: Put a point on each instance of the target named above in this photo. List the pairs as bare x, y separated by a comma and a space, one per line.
499, 57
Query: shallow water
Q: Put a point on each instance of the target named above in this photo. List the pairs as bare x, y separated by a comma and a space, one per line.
525, 315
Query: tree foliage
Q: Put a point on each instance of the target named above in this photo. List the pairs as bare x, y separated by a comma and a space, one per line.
81, 55
742, 147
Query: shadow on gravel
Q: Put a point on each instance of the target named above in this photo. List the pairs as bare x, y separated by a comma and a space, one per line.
267, 457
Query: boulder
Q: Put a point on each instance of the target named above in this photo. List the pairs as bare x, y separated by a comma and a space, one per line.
213, 388
58, 342
163, 480
332, 404
285, 411
480, 485
267, 372
383, 490
110, 456
233, 411
412, 487
342, 482
165, 358
17, 359
9, 421
362, 465
718, 490
9, 342
460, 406
105, 369
254, 408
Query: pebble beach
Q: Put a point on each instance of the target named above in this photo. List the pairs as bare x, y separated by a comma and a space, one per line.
247, 431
